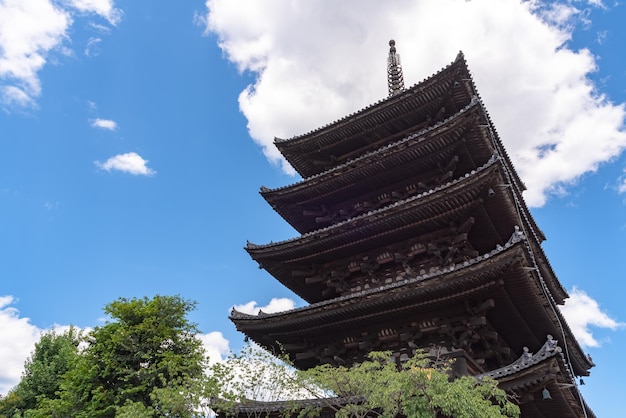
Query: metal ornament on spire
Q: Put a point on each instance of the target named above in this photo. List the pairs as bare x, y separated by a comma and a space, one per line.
395, 80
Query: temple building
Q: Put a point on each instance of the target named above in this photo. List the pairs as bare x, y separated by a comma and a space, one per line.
414, 234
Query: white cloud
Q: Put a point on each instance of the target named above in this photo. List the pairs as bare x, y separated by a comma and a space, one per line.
13, 96
17, 339
621, 187
582, 312
275, 305
103, 8
17, 342
130, 162
51, 205
107, 124
29, 29
100, 28
216, 345
91, 47
318, 61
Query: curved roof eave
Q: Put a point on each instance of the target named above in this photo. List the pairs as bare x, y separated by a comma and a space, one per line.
251, 247
367, 294
360, 114
362, 159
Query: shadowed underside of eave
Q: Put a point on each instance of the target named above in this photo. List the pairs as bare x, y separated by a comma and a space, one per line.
398, 170
499, 275
395, 228
388, 120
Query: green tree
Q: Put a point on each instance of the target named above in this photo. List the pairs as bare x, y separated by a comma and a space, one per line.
256, 375
378, 387
53, 356
417, 388
147, 361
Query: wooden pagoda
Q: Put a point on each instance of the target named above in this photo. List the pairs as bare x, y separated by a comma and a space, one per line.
414, 234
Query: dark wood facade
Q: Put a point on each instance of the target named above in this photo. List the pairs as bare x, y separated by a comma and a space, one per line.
414, 234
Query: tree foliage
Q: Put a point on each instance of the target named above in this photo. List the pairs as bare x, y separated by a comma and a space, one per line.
417, 388
254, 374
54, 355
378, 387
145, 362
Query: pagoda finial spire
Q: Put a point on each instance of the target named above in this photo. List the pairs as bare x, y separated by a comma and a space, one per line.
395, 80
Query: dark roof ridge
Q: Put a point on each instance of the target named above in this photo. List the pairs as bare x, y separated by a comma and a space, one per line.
475, 102
459, 58
515, 238
492, 161
549, 349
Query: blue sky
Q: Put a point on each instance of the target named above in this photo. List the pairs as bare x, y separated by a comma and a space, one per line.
135, 137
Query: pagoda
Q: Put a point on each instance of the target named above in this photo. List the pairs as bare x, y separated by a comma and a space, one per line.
414, 235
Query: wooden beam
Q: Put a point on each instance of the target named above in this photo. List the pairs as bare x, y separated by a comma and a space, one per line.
306, 355
314, 279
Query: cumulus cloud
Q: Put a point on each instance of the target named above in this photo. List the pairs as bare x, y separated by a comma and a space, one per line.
216, 346
275, 305
103, 8
583, 312
107, 124
315, 62
29, 29
17, 339
13, 96
130, 162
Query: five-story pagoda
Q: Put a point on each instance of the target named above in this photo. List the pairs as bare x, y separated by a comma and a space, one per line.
414, 234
